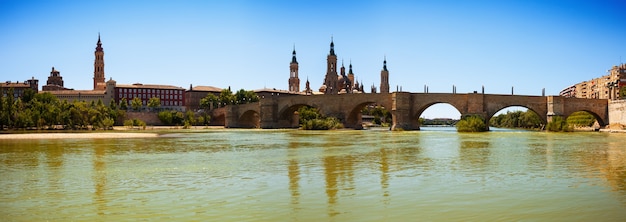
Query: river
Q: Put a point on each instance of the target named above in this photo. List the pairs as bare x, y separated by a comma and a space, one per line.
435, 174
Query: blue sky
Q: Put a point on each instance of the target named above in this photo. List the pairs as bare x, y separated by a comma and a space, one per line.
528, 45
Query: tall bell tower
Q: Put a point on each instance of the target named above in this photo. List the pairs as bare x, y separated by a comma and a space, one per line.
294, 81
384, 78
98, 67
331, 78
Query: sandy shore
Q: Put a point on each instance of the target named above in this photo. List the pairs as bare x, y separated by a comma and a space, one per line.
76, 135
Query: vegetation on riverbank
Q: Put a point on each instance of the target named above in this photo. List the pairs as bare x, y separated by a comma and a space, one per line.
227, 97
517, 119
311, 119
471, 123
187, 119
46, 111
558, 124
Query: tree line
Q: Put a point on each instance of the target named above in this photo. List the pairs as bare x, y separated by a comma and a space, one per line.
517, 119
45, 111
227, 97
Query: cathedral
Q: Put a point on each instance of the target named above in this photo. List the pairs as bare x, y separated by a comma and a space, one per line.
336, 83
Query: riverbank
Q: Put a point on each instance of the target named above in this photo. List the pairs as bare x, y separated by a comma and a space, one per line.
85, 135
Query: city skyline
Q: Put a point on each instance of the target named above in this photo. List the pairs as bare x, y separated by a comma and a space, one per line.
527, 45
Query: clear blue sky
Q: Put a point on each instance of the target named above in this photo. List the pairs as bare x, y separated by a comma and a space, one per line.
247, 44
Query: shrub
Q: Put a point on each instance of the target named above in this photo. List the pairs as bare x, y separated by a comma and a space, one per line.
472, 123
558, 124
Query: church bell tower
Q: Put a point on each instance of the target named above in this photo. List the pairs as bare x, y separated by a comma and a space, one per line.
294, 81
98, 67
331, 78
384, 78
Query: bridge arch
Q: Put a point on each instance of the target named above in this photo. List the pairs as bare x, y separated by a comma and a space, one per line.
354, 116
422, 109
250, 119
595, 115
287, 115
542, 116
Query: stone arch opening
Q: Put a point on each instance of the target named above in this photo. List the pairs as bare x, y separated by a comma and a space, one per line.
582, 120
250, 119
289, 116
517, 116
368, 114
219, 120
438, 114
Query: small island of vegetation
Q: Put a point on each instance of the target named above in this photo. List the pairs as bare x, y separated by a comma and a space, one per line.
311, 119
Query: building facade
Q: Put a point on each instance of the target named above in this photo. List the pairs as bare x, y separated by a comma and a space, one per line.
604, 87
171, 97
19, 87
195, 93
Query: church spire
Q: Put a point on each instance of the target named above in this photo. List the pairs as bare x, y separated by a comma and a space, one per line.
385, 64
293, 57
350, 67
332, 46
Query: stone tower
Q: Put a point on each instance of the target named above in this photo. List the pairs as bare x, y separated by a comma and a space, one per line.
384, 78
98, 67
294, 81
330, 81
55, 79
351, 77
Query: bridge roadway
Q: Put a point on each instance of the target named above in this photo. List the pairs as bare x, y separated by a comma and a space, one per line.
279, 111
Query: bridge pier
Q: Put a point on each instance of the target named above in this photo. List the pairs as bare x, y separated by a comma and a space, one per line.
268, 113
555, 108
401, 112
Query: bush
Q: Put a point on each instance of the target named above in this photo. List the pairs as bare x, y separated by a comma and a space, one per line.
322, 124
472, 123
558, 124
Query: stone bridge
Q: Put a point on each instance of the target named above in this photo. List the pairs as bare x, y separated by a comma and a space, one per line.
406, 108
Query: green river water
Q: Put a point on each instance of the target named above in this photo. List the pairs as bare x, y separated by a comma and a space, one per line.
435, 174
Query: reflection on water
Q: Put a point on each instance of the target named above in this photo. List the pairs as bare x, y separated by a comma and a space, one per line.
278, 175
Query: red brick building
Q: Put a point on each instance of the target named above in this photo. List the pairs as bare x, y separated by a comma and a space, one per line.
172, 97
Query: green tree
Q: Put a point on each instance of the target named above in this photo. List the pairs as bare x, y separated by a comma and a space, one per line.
190, 117
210, 101
558, 124
112, 105
242, 97
123, 104
154, 103
165, 117
471, 123
227, 97
307, 113
310, 119
136, 103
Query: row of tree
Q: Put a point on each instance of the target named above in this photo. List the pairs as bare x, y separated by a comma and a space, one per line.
187, 119
45, 111
517, 119
227, 97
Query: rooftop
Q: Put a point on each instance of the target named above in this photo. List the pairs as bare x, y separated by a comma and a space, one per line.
148, 86
206, 89
76, 92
